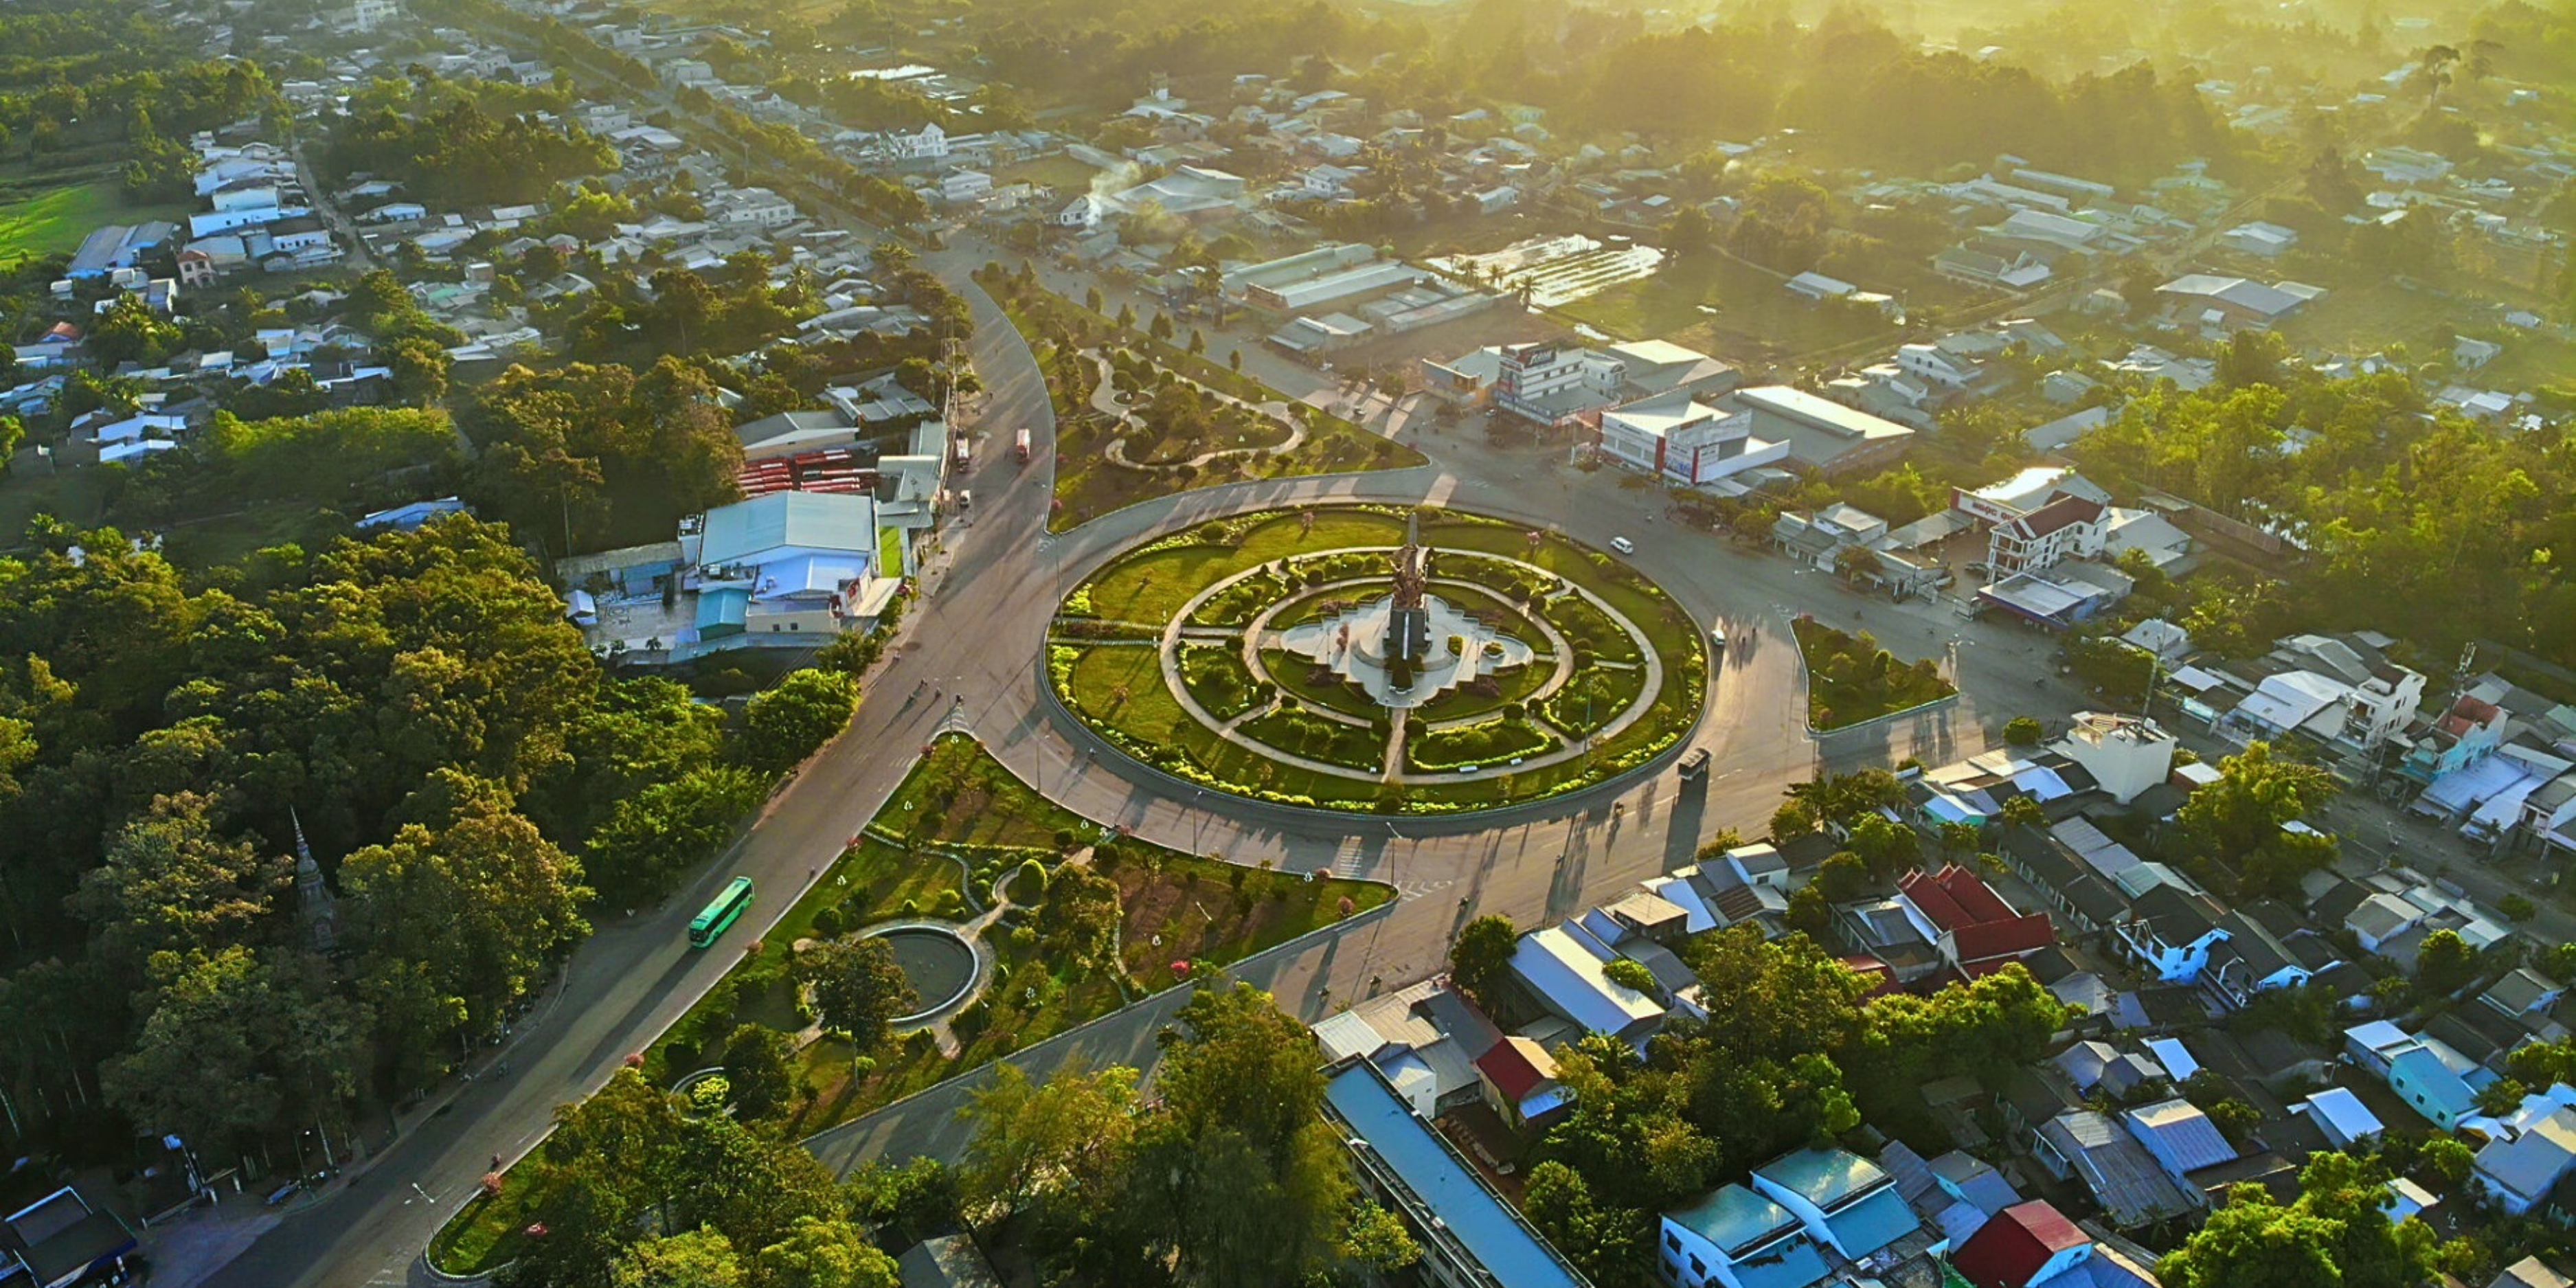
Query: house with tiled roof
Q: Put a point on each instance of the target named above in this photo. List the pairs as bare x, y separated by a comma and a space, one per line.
2068, 527
1974, 929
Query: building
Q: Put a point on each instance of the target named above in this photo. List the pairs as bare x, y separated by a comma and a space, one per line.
2024, 1245
2218, 305
1470, 1237
2520, 1171
799, 563
372, 14
60, 1239
2068, 527
2125, 754
2131, 1185
1561, 967
958, 187
1738, 1239
1682, 440
1976, 932
1845, 1201
948, 1261
1519, 1081
1823, 437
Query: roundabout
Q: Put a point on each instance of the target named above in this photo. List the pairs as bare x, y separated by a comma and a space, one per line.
1378, 659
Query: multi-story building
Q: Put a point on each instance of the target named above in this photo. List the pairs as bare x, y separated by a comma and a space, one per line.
1683, 440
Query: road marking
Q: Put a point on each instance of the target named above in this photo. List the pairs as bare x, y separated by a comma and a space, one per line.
1347, 860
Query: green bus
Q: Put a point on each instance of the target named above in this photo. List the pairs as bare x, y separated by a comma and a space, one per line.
727, 906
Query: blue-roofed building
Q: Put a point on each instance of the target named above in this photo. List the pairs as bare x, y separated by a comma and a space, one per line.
803, 564
1470, 1237
1845, 1200
1738, 1239
2438, 1082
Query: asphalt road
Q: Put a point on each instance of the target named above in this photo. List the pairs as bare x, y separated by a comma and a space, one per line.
989, 591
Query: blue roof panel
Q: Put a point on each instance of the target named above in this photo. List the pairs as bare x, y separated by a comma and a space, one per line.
1511, 1251
1872, 1224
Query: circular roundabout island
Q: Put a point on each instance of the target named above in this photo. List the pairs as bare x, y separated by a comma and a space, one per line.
1378, 659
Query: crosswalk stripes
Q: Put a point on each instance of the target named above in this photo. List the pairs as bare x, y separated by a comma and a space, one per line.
1347, 861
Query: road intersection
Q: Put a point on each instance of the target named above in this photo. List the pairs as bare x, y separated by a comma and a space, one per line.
989, 591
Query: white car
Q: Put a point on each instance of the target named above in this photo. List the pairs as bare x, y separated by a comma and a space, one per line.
1623, 545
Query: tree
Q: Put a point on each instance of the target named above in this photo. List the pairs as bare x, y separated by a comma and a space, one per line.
171, 883
819, 1252
2500, 1097
1091, 299
1067, 1143
2023, 731
857, 986
1792, 820
1482, 950
1602, 1243
1843, 878
2022, 811
1245, 1179
131, 332
418, 368
2444, 964
784, 725
701, 1258
756, 1062
2334, 1236
1629, 974
1080, 918
237, 1046
2517, 907
457, 917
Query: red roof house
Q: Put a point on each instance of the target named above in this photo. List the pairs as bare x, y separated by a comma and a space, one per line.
2024, 1244
1975, 929
1520, 1081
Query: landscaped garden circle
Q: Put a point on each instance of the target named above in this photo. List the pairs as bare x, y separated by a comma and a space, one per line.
937, 962
1378, 658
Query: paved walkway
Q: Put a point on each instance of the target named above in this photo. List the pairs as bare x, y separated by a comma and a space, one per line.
1104, 399
1391, 769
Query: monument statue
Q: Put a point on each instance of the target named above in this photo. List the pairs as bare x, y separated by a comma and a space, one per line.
1408, 624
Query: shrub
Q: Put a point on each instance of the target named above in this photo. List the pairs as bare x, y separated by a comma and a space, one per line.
1030, 885
2023, 731
827, 923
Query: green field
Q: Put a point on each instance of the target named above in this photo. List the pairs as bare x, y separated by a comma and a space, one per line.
53, 221
1059, 171
1724, 307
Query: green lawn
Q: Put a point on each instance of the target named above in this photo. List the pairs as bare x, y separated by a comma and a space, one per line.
1850, 679
1058, 171
1725, 307
78, 497
53, 221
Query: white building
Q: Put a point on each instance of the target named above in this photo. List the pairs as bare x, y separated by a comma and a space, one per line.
1684, 440
371, 14
1938, 366
2125, 754
958, 187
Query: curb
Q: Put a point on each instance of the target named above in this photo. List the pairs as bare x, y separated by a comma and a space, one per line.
1226, 971
1807, 672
